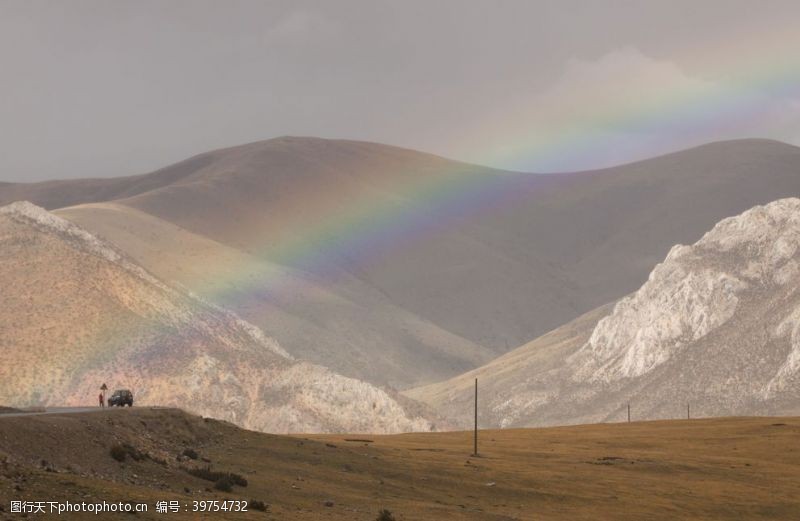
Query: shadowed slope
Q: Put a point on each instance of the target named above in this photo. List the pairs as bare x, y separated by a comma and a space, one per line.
509, 393
359, 334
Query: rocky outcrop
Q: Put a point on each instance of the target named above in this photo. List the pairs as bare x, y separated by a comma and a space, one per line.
697, 290
716, 326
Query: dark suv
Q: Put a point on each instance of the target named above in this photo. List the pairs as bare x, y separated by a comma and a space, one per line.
121, 398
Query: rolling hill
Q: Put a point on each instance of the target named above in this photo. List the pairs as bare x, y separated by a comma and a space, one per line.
405, 268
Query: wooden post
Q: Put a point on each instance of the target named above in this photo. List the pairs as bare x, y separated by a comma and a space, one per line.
629, 412
688, 413
475, 453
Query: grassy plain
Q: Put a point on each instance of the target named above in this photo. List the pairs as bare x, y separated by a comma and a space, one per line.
728, 468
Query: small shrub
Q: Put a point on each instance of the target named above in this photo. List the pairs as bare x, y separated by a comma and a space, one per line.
254, 504
208, 474
134, 453
385, 515
224, 484
203, 473
190, 453
119, 453
238, 480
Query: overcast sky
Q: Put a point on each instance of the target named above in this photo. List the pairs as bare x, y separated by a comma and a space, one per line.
109, 88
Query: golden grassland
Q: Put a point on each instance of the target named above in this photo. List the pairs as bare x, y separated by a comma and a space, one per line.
728, 468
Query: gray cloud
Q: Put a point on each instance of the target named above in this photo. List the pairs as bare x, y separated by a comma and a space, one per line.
106, 88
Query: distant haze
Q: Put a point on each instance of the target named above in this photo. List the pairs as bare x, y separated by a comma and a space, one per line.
99, 89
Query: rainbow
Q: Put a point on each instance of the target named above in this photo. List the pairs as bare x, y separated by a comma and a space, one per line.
368, 229
752, 72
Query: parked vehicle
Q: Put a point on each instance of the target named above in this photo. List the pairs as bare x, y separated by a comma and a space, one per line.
121, 398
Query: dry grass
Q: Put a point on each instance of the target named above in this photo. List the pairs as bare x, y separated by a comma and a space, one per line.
745, 468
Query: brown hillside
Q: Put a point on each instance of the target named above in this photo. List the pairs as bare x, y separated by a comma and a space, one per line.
733, 468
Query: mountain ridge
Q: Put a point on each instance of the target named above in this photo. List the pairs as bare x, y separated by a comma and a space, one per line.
104, 189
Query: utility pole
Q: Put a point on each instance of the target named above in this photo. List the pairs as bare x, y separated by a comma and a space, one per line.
475, 453
629, 412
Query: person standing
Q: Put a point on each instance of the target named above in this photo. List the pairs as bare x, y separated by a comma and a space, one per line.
102, 403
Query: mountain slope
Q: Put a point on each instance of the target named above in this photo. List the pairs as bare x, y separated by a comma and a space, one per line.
342, 330
77, 313
715, 326
494, 258
60, 193
509, 385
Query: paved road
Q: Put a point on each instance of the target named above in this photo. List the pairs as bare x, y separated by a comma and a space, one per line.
54, 410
